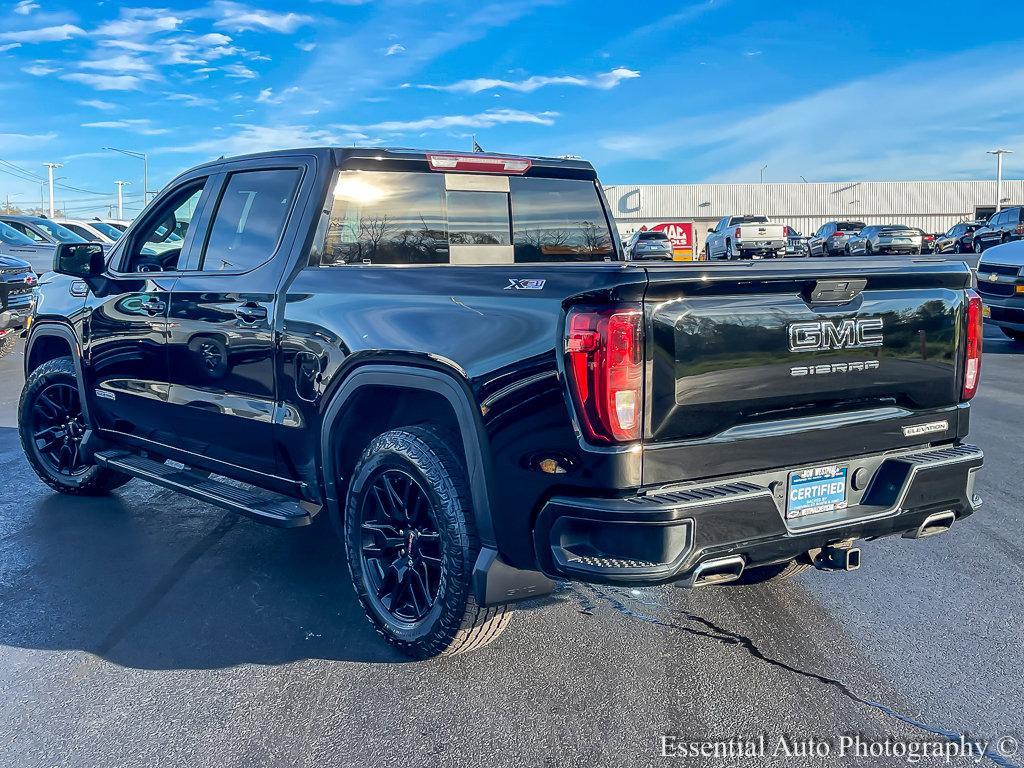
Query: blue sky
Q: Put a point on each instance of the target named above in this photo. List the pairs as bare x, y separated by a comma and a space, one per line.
650, 92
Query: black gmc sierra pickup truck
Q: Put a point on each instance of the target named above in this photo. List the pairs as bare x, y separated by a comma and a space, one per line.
449, 357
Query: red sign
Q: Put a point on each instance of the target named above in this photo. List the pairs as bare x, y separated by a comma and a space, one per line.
680, 233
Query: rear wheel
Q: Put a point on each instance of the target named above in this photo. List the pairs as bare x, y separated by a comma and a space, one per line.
774, 572
7, 344
412, 542
51, 423
1012, 334
978, 247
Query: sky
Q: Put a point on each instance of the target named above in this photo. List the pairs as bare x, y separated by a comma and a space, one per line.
654, 93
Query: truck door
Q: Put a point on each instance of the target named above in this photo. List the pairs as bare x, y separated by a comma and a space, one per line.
221, 321
124, 336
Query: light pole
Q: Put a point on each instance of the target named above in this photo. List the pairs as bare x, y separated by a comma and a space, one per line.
145, 169
120, 198
999, 174
762, 172
49, 174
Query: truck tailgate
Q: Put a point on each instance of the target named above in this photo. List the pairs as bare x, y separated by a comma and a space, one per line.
757, 365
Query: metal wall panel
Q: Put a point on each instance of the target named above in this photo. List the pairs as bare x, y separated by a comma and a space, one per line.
934, 206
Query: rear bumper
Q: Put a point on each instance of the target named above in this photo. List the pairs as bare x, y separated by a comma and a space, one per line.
664, 537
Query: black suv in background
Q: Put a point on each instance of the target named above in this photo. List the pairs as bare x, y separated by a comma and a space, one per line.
831, 238
957, 239
1002, 227
17, 281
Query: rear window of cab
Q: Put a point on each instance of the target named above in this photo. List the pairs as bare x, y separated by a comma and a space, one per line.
389, 217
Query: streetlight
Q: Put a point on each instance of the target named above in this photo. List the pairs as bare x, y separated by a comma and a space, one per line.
120, 198
145, 169
762, 172
999, 174
49, 173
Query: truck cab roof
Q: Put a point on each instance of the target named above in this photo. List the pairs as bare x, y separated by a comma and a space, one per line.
394, 158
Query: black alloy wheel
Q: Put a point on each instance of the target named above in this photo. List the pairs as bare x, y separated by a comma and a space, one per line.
58, 427
401, 546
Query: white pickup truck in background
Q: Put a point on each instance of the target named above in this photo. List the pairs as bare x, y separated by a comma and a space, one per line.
746, 237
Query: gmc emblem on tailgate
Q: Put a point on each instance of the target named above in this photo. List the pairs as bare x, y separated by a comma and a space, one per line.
824, 335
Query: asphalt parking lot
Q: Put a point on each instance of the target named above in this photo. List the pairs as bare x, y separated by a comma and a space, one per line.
146, 629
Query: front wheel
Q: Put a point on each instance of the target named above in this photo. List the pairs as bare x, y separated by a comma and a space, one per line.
51, 423
978, 247
412, 542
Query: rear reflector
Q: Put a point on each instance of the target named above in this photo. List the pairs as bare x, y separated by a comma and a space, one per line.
514, 166
604, 357
975, 332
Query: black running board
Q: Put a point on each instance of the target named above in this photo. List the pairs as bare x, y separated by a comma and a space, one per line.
263, 506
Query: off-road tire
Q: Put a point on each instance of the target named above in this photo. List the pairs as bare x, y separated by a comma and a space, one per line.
7, 344
94, 481
775, 572
455, 623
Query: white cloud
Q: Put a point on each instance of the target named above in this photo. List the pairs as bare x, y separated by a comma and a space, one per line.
25, 7
191, 100
305, 47
120, 64
105, 82
266, 96
140, 125
239, 72
40, 69
486, 119
258, 138
139, 22
54, 34
604, 81
391, 50
9, 47
105, 106
242, 18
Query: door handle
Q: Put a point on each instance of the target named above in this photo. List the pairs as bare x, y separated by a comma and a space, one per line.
153, 306
251, 312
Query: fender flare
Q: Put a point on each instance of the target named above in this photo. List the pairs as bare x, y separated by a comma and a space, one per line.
39, 330
424, 379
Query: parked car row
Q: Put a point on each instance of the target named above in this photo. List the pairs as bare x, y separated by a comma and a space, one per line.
749, 236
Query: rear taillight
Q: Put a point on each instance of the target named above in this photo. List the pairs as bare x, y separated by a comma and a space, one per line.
737, 233
785, 231
604, 351
514, 166
1019, 230
838, 234
975, 332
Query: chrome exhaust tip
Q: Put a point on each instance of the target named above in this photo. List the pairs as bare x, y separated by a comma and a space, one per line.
720, 570
934, 524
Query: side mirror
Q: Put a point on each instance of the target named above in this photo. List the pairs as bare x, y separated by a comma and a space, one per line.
79, 259
711, 229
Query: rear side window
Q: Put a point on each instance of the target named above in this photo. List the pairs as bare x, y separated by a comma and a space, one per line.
249, 220
558, 220
380, 217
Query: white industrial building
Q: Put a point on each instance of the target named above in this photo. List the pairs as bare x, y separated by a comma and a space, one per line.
933, 206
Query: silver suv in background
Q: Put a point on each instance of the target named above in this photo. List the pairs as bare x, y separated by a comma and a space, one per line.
885, 238
831, 238
644, 244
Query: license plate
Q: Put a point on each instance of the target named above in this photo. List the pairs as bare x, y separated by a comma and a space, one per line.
814, 491
986, 312
901, 240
